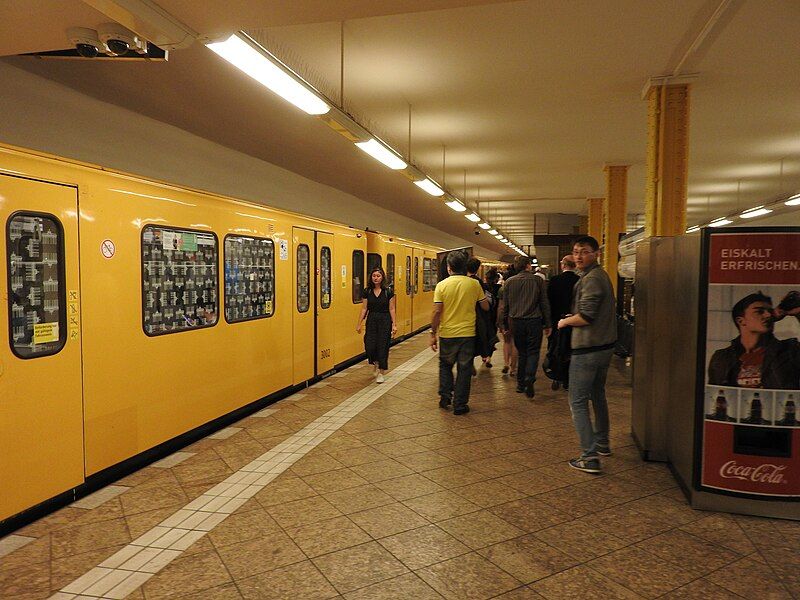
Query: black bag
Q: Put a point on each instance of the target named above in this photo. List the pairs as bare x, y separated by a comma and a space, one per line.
559, 349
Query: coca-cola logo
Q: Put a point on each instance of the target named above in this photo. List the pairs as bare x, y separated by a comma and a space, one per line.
766, 473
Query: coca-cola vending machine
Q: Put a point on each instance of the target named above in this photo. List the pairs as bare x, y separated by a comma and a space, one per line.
747, 409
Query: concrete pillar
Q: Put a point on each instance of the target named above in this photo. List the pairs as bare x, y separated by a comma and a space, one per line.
614, 210
667, 159
594, 208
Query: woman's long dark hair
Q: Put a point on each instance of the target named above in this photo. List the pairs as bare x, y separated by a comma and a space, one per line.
371, 286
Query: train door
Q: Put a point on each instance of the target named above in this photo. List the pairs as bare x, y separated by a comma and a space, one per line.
304, 304
417, 310
408, 289
326, 324
41, 404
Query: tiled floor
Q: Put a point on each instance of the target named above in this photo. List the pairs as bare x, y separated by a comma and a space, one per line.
377, 497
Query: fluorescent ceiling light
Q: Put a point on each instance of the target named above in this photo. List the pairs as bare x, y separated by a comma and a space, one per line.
270, 72
473, 217
793, 201
755, 212
382, 154
430, 187
484, 226
493, 232
456, 205
722, 221
693, 229
498, 236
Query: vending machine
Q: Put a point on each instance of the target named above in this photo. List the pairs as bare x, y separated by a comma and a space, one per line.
748, 365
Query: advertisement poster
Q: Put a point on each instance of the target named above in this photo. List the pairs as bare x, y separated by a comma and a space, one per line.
751, 434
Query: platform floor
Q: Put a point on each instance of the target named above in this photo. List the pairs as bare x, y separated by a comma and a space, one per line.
357, 490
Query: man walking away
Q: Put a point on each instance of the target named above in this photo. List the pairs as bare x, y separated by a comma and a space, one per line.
453, 319
593, 337
525, 302
559, 293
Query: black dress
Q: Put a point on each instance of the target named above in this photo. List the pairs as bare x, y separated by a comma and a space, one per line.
379, 327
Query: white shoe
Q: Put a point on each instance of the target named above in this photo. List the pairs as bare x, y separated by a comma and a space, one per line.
379, 378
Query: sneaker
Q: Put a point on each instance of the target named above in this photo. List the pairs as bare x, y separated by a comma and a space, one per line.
505, 369
379, 378
588, 464
445, 403
461, 410
603, 450
529, 390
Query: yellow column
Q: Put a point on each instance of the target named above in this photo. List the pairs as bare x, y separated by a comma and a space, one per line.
615, 212
594, 206
667, 159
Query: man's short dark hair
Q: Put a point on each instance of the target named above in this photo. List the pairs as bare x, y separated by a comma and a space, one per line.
521, 263
457, 261
588, 240
473, 264
744, 303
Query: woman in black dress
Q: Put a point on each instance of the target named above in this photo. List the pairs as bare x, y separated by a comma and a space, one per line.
378, 306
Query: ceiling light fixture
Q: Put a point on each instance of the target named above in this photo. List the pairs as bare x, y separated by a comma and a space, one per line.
755, 212
484, 226
793, 201
473, 217
456, 205
429, 186
245, 54
382, 154
693, 229
721, 222
493, 232
498, 236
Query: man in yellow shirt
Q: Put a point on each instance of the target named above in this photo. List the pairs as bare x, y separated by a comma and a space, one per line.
453, 320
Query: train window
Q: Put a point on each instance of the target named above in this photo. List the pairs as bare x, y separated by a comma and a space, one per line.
358, 275
373, 260
426, 274
408, 276
303, 278
325, 277
249, 278
36, 299
179, 280
390, 271
416, 274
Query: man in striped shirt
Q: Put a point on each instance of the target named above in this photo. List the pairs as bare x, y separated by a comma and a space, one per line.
525, 302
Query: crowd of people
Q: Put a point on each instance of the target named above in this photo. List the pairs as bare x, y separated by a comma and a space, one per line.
516, 308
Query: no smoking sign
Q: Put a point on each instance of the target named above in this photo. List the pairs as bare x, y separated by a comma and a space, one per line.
108, 248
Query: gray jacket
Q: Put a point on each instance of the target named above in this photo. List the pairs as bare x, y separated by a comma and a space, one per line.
593, 299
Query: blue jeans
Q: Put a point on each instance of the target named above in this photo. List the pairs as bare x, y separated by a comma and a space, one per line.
587, 383
456, 351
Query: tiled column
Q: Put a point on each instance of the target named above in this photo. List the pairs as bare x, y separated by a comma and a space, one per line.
614, 210
594, 207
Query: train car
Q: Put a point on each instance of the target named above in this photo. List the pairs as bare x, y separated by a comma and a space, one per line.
142, 315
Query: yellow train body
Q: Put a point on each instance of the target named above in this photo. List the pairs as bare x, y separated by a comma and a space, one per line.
112, 390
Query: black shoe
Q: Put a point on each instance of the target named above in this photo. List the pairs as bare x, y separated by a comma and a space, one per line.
505, 369
488, 364
555, 385
445, 403
529, 391
461, 410
520, 388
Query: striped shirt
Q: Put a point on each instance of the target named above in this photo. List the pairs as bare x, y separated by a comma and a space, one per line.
525, 297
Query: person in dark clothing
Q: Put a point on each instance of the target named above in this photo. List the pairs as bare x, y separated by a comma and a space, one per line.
378, 306
756, 358
559, 293
485, 328
525, 302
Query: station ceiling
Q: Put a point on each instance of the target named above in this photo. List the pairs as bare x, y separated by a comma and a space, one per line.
527, 101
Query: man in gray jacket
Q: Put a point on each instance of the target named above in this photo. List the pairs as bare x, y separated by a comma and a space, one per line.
594, 334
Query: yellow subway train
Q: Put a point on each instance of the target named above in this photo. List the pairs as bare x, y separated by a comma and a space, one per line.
140, 315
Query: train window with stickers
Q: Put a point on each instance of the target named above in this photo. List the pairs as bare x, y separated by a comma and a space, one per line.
390, 271
36, 296
180, 287
416, 274
426, 274
249, 278
358, 275
303, 278
325, 277
408, 276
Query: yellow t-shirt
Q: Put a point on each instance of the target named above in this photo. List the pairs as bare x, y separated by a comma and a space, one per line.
459, 294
